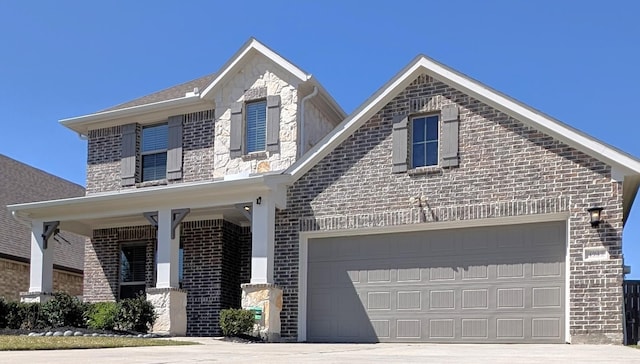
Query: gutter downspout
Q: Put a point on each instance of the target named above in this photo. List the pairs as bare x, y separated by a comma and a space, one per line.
304, 99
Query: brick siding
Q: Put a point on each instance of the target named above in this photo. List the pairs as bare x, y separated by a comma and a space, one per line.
503, 162
14, 278
105, 149
217, 258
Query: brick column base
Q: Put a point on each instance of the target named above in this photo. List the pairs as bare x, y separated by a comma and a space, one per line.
35, 297
268, 298
171, 307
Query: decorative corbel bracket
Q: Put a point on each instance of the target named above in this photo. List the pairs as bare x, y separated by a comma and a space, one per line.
48, 229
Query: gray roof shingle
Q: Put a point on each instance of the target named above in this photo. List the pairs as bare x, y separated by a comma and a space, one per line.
22, 183
170, 93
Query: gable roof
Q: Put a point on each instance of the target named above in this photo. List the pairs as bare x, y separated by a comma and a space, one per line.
176, 99
624, 166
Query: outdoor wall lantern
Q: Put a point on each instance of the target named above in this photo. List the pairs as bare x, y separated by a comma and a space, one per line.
595, 214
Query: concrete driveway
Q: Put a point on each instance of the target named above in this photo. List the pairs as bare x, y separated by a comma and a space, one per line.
216, 351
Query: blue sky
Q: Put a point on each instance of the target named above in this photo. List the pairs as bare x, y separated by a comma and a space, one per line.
574, 60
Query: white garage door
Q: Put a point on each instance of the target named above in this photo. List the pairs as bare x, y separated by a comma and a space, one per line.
502, 284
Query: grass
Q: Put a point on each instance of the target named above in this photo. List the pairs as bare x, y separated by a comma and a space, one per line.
10, 342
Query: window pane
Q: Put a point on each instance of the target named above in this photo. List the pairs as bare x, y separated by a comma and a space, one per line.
131, 291
256, 126
418, 159
132, 263
432, 128
418, 132
154, 166
155, 137
432, 154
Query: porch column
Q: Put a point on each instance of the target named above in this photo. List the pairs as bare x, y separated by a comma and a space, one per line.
261, 295
168, 251
262, 239
169, 301
41, 265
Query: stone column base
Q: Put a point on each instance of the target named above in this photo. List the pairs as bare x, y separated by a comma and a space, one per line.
171, 307
268, 298
35, 297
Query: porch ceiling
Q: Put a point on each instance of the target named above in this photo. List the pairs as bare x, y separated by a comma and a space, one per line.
125, 208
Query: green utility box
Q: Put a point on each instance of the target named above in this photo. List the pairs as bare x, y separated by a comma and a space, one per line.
257, 313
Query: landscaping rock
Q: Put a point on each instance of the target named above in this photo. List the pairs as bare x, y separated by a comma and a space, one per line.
146, 336
68, 333
77, 333
58, 333
48, 333
95, 334
32, 334
140, 335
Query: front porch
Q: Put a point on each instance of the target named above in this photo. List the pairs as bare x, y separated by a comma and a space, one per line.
192, 248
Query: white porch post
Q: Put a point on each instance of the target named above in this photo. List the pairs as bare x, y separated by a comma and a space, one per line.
262, 239
168, 252
262, 295
169, 301
40, 267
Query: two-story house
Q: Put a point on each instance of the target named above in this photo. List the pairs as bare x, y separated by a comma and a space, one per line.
438, 211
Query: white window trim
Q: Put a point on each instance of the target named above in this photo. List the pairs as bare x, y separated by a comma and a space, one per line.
245, 123
151, 152
412, 167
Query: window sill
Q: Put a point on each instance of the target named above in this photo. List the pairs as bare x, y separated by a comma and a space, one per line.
425, 170
255, 155
158, 182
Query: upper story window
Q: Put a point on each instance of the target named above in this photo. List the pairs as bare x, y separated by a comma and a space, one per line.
424, 146
154, 152
256, 126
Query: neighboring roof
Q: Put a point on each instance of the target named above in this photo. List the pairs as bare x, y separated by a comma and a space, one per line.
623, 164
174, 100
170, 93
21, 183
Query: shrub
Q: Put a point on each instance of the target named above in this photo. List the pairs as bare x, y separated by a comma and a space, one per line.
136, 314
235, 322
29, 316
103, 315
4, 313
15, 315
63, 310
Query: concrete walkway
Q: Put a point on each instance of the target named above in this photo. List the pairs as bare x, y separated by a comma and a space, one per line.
216, 351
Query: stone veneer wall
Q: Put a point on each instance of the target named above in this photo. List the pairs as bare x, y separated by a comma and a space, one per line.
14, 278
258, 73
506, 169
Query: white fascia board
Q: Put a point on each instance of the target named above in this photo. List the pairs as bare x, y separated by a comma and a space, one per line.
625, 163
329, 99
81, 124
195, 195
241, 57
534, 118
354, 121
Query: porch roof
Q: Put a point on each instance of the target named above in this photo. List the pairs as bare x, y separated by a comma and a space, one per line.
83, 214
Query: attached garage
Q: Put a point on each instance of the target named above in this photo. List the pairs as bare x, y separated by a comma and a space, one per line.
495, 284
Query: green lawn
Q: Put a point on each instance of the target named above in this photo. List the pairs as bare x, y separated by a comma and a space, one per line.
54, 343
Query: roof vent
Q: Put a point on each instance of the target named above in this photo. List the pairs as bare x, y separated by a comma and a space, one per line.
195, 92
